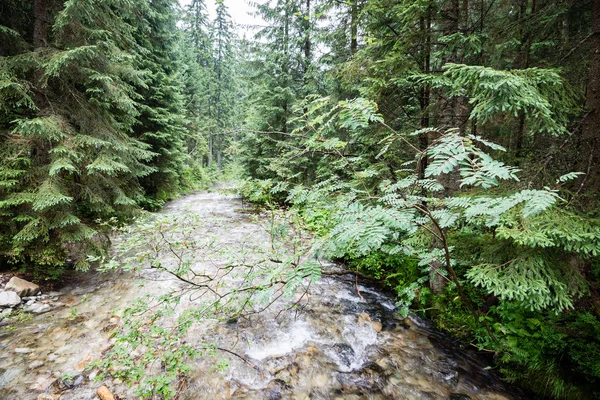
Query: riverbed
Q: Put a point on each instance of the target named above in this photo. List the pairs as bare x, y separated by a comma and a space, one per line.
339, 339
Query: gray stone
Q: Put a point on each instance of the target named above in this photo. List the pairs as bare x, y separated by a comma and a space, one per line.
22, 287
78, 381
38, 308
23, 350
8, 376
35, 364
5, 313
9, 299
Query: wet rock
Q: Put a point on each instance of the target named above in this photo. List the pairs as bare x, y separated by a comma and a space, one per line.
104, 393
345, 353
23, 350
8, 375
22, 287
377, 326
458, 396
275, 389
78, 381
9, 299
320, 380
276, 364
385, 364
42, 383
364, 317
48, 396
35, 364
71, 381
38, 308
451, 377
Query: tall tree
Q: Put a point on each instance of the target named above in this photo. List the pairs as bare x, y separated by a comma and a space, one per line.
223, 91
162, 120
68, 104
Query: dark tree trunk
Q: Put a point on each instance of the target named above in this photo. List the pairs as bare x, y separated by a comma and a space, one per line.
40, 23
307, 42
590, 159
522, 62
354, 27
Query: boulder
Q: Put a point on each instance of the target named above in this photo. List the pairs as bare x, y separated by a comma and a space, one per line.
22, 287
9, 299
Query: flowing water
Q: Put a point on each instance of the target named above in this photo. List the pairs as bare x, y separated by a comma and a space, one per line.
347, 342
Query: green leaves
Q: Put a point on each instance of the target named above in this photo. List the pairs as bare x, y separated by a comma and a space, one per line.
48, 195
537, 93
453, 151
358, 113
60, 62
44, 128
529, 280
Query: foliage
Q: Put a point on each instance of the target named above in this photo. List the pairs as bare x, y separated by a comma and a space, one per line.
159, 340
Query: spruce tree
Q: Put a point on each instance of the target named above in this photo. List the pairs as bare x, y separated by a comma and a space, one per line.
68, 106
161, 123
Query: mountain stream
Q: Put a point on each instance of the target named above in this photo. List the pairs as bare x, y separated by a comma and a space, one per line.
347, 341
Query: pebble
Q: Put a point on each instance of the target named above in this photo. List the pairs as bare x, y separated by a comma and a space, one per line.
48, 396
35, 364
78, 381
93, 375
377, 327
23, 350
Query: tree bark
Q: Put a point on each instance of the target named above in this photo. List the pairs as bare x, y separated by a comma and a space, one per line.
589, 162
307, 42
354, 27
40, 23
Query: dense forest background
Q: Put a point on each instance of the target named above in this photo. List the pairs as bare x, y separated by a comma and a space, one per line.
449, 149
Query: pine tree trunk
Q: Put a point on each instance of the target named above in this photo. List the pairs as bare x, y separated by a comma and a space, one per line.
590, 160
210, 150
40, 23
307, 42
522, 62
40, 40
220, 152
425, 27
354, 27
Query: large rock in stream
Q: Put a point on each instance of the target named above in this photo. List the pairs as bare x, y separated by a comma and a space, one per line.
22, 287
9, 299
